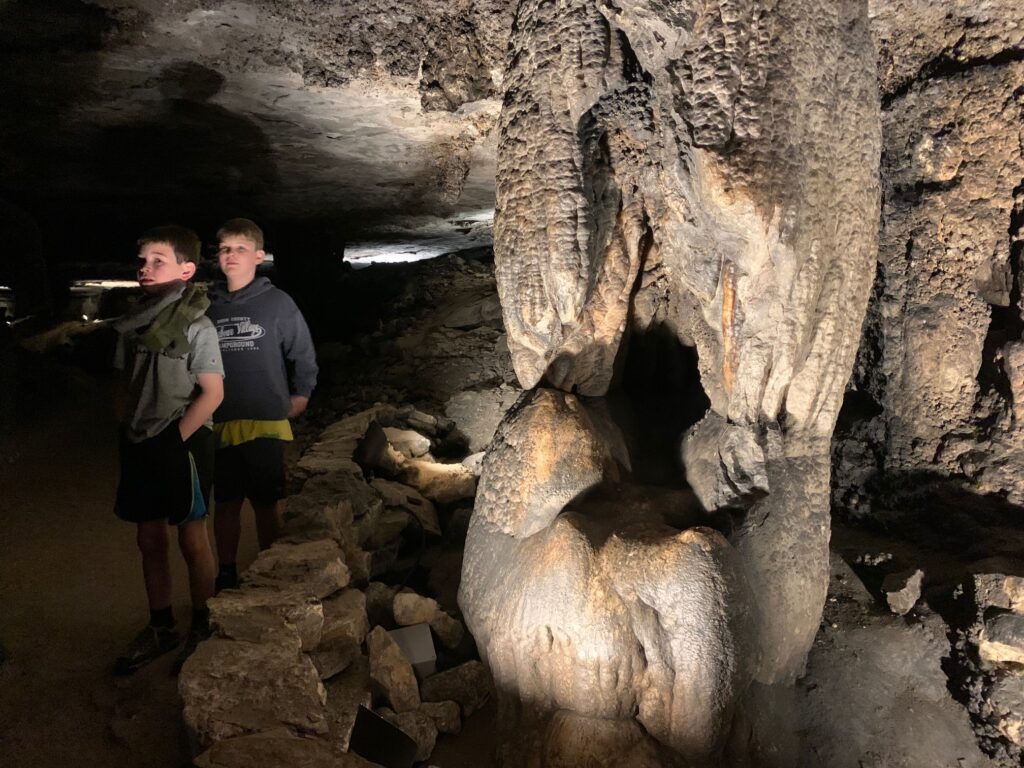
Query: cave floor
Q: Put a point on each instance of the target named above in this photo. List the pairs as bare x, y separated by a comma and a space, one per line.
71, 594
71, 588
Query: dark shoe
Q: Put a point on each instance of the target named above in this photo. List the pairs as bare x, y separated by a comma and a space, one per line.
225, 581
195, 636
150, 644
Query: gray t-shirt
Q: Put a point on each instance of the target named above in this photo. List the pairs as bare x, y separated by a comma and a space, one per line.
160, 386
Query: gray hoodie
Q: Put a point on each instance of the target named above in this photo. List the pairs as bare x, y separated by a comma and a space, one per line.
267, 350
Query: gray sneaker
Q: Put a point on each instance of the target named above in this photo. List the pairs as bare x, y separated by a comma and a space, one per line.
150, 644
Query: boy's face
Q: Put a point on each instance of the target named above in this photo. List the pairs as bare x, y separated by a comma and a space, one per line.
239, 257
158, 265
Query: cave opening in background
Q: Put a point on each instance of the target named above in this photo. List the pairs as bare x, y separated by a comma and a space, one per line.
661, 396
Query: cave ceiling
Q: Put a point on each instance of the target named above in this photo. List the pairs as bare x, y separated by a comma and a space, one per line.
378, 117
371, 115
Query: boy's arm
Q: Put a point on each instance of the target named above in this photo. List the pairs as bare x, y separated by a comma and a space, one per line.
211, 386
300, 361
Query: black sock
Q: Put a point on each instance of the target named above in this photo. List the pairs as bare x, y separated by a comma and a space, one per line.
228, 570
162, 618
200, 618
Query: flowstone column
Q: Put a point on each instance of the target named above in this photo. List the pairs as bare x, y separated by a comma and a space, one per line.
709, 168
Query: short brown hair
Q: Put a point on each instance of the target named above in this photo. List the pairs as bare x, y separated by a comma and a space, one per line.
184, 242
242, 228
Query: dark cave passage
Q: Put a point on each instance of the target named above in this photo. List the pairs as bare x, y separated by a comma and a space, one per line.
659, 397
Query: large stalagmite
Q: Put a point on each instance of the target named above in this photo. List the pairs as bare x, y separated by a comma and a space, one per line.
709, 169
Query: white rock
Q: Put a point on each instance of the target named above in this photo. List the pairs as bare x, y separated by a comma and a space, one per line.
407, 441
903, 590
315, 567
411, 608
260, 613
232, 688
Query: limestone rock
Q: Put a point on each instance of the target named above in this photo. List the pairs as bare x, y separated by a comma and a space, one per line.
346, 692
469, 685
345, 616
255, 615
378, 530
482, 311
474, 463
477, 413
417, 725
1000, 591
334, 656
315, 567
1005, 705
232, 688
306, 519
380, 600
392, 671
903, 590
725, 465
400, 496
407, 442
411, 608
1002, 640
441, 483
335, 487
445, 714
418, 420
276, 748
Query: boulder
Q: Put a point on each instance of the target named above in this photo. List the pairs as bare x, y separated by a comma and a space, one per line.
232, 688
408, 442
1002, 640
417, 725
400, 496
334, 657
258, 614
392, 671
441, 483
380, 599
411, 608
445, 715
380, 529
468, 685
998, 590
308, 519
346, 692
478, 413
1005, 705
345, 616
315, 567
334, 487
903, 590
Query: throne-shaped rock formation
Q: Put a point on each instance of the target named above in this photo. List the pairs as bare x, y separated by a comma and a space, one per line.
709, 170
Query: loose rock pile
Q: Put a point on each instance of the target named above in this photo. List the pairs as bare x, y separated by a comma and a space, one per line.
305, 640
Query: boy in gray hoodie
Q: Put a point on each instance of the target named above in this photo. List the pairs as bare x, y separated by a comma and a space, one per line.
270, 372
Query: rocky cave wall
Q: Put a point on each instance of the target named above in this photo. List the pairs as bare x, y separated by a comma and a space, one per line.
940, 374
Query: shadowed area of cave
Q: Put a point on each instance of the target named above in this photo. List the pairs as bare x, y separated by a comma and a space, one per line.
671, 379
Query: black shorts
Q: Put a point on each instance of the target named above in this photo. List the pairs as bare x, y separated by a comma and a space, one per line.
163, 478
253, 470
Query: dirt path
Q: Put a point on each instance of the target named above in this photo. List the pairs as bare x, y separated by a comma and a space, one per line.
71, 592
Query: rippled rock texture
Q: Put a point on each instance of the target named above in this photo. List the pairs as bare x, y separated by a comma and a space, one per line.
941, 369
709, 173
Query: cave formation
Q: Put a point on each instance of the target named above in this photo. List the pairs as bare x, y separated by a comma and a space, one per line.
759, 277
